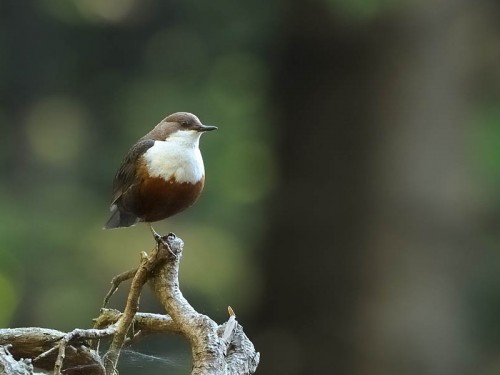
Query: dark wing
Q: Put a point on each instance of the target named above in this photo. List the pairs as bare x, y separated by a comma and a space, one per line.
126, 175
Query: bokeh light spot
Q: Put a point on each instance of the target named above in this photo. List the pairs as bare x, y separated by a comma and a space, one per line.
48, 304
56, 130
215, 264
109, 10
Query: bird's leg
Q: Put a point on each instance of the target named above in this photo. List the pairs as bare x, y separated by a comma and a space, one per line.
156, 236
164, 240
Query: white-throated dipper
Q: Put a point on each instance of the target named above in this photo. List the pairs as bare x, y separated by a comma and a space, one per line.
161, 175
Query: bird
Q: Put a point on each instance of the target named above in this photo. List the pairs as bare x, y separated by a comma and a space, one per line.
161, 175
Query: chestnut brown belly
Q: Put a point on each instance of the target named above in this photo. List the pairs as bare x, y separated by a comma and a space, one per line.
156, 199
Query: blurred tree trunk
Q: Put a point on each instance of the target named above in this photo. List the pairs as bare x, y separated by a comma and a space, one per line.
366, 243
423, 217
316, 241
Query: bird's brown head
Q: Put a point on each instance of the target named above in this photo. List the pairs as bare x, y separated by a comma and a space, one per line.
182, 122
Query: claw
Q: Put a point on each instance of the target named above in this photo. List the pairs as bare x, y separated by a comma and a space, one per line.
155, 234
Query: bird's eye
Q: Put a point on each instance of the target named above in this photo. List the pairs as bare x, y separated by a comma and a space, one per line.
185, 124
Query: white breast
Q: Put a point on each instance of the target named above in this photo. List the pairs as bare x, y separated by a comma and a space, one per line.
178, 156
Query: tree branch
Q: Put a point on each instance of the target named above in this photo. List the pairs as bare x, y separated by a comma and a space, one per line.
124, 322
33, 342
9, 365
216, 350
148, 323
207, 345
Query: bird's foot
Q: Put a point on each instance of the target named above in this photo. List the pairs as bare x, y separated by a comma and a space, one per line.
159, 239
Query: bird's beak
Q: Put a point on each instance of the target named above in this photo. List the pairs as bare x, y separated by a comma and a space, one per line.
206, 128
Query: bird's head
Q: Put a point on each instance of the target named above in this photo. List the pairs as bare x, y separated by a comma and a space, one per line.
183, 126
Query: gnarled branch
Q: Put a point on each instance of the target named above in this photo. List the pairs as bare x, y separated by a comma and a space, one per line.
216, 349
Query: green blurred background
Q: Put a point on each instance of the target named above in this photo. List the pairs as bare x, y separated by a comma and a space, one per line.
351, 212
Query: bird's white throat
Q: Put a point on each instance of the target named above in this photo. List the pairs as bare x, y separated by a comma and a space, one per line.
178, 156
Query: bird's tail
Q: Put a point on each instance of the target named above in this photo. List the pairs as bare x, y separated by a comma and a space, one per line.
120, 219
